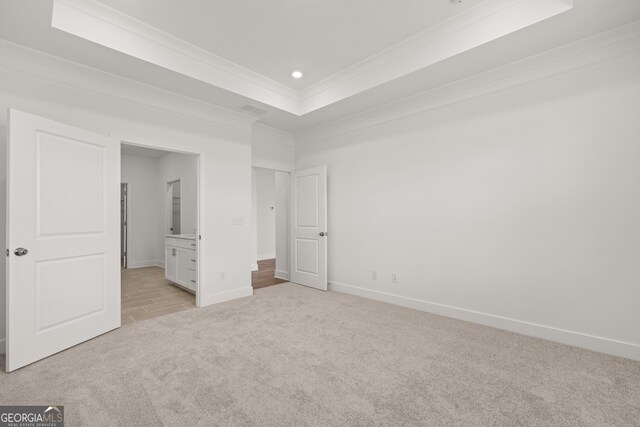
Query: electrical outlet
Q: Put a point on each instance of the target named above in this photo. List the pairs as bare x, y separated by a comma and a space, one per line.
394, 277
374, 275
223, 275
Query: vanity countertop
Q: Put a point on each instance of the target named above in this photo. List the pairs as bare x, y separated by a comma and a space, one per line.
182, 236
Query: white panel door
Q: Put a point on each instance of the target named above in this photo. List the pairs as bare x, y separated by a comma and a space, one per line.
309, 228
63, 232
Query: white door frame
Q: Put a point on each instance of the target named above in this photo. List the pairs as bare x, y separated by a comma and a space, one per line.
288, 226
170, 146
126, 219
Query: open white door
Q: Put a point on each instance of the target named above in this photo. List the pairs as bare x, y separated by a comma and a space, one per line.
309, 228
63, 278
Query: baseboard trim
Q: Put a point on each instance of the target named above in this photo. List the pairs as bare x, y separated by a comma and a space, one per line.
279, 274
143, 264
223, 296
576, 339
3, 346
254, 267
266, 256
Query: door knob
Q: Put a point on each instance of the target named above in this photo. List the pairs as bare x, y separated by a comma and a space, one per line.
322, 234
21, 252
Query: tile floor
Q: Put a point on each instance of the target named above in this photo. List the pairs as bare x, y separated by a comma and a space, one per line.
147, 294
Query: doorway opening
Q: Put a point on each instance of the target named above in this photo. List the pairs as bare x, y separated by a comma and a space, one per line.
270, 226
159, 232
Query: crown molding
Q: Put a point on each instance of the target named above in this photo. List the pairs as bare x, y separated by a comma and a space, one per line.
101, 24
273, 135
592, 51
487, 21
464, 31
24, 61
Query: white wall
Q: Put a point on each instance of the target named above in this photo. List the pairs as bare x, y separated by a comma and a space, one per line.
272, 148
225, 147
147, 178
146, 211
266, 213
518, 209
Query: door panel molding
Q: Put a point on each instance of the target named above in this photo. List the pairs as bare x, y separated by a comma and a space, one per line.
309, 228
63, 193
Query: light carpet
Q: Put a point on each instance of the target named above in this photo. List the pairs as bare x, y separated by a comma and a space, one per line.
293, 356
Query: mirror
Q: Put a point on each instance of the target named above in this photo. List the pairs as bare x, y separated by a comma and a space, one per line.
175, 207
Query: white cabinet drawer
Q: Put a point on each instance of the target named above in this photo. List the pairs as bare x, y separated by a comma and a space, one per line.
193, 277
193, 262
186, 243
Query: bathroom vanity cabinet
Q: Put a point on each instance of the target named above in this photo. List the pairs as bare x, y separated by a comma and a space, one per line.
181, 260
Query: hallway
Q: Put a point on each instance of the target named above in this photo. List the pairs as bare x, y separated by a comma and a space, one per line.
264, 276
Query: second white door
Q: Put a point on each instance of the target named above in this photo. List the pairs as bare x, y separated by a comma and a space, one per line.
309, 228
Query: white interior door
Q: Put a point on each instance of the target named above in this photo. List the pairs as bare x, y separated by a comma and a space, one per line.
63, 275
309, 228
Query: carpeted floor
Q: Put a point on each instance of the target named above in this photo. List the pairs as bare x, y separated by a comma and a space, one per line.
293, 356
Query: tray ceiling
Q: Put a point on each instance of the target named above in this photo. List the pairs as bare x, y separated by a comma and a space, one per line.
335, 43
109, 34
273, 37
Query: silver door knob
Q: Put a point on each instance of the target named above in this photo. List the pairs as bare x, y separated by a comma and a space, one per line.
322, 234
21, 252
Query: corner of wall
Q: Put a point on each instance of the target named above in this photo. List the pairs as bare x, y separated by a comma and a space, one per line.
284, 275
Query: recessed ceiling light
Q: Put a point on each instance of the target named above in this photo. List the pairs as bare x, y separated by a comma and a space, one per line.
296, 74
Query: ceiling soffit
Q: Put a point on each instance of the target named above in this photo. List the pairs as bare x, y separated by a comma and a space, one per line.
466, 30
